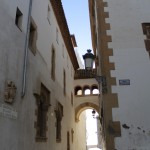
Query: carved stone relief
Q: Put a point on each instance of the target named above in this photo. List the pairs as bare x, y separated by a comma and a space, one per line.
10, 92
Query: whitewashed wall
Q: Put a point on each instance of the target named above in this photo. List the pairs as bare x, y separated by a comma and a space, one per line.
131, 62
19, 133
80, 139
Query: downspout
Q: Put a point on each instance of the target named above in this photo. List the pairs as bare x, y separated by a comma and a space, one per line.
26, 51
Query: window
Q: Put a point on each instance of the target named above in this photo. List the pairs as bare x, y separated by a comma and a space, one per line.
147, 28
71, 99
71, 71
146, 31
32, 37
87, 90
53, 64
78, 90
63, 50
59, 115
72, 135
64, 82
68, 141
95, 90
18, 20
67, 61
49, 14
43, 102
57, 36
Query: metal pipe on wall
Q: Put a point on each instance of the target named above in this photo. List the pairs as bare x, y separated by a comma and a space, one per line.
26, 51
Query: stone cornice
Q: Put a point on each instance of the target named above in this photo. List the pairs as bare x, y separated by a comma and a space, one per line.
61, 20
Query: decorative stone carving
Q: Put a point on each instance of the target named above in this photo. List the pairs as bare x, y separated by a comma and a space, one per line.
10, 92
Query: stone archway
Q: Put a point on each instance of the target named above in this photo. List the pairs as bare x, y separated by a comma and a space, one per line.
83, 107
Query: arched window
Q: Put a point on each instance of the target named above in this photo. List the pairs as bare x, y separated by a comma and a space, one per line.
78, 90
43, 101
87, 90
59, 115
95, 89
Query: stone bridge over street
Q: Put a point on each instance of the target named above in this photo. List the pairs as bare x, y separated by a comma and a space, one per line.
86, 92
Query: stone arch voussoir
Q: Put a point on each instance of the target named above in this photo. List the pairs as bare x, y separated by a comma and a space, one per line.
83, 107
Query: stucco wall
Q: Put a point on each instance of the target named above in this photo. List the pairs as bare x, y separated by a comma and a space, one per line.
20, 132
81, 128
131, 62
11, 62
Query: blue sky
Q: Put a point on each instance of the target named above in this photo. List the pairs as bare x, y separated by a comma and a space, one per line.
77, 15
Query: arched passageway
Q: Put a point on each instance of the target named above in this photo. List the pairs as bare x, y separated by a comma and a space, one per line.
83, 107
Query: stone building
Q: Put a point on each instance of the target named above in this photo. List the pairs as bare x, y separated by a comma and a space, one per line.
37, 65
120, 32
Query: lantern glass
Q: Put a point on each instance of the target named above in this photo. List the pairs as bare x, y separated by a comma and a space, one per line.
88, 63
88, 60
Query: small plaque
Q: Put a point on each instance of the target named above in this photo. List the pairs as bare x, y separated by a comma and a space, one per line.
124, 82
8, 111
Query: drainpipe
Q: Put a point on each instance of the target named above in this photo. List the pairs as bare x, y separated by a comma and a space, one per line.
26, 51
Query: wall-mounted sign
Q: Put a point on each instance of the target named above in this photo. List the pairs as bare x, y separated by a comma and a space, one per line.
124, 82
8, 111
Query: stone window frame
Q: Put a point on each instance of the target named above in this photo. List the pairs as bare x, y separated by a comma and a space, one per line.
32, 36
146, 32
19, 18
43, 103
146, 29
59, 115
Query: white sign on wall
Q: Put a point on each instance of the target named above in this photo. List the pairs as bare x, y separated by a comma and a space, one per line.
8, 111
